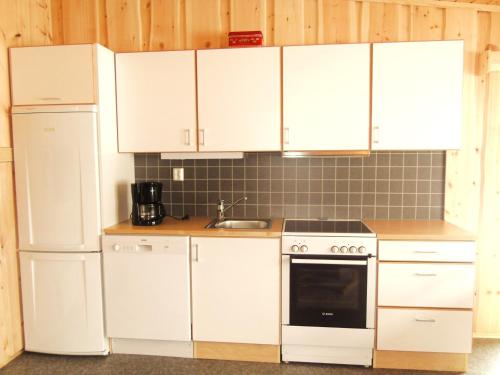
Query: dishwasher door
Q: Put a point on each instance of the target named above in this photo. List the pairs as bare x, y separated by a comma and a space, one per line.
147, 287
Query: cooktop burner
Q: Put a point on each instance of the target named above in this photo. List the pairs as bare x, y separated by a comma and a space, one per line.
340, 227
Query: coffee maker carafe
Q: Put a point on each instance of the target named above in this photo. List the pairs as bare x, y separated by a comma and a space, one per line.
147, 208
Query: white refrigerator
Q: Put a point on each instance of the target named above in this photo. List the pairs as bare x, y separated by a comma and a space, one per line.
70, 183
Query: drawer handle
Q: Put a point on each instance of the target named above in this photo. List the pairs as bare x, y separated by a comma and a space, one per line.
425, 320
424, 252
425, 274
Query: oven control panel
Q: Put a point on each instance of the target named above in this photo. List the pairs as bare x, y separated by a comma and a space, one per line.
351, 246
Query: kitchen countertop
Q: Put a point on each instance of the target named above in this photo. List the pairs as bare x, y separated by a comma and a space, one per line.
194, 226
425, 230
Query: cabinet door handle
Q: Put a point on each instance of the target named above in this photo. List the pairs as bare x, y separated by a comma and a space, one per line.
50, 98
202, 137
195, 253
187, 137
425, 320
424, 252
286, 136
424, 274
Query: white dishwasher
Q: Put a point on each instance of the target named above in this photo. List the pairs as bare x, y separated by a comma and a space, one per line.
147, 295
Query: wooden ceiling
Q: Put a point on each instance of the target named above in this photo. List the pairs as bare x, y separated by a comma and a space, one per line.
491, 2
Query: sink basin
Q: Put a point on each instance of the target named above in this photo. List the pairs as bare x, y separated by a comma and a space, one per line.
240, 224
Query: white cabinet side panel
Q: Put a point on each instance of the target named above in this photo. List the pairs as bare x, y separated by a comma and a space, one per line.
57, 181
116, 170
62, 303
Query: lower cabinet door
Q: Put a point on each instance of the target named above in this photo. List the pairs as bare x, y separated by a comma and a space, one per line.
444, 331
236, 290
62, 303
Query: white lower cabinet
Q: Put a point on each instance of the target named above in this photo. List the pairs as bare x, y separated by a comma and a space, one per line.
236, 290
420, 330
425, 296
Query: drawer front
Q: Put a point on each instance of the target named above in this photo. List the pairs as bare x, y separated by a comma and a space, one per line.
426, 285
422, 330
427, 251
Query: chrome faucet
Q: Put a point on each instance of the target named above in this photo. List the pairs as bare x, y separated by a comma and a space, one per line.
221, 209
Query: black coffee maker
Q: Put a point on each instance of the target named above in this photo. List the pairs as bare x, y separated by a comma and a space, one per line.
147, 207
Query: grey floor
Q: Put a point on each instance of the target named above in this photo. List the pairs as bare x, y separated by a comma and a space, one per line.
484, 360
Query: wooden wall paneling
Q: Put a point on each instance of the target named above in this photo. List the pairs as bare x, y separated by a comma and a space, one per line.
248, 15
427, 23
124, 27
463, 167
313, 22
488, 283
289, 22
340, 21
207, 26
389, 22
11, 334
79, 21
168, 28
5, 140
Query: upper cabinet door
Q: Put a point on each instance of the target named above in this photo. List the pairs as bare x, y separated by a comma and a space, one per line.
156, 100
52, 75
326, 97
239, 99
417, 95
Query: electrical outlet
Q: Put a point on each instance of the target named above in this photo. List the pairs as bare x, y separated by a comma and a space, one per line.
178, 174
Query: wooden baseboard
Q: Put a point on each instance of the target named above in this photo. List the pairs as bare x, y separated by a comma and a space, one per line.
11, 358
420, 361
237, 352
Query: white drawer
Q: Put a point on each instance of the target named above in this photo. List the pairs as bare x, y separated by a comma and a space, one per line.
426, 285
419, 330
427, 251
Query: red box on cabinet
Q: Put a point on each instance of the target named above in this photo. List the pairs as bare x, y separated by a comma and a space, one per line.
245, 38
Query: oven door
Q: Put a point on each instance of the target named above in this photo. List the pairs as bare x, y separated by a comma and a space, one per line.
328, 291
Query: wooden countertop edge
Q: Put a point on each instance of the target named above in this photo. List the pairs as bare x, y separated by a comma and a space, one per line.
194, 227
425, 237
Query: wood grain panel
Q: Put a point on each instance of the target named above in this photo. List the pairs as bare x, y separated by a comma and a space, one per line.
10, 306
237, 352
420, 361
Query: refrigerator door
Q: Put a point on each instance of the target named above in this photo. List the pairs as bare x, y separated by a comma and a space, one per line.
62, 303
57, 183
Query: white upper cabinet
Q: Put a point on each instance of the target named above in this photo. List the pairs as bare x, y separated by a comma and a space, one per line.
239, 93
53, 75
417, 95
326, 97
156, 101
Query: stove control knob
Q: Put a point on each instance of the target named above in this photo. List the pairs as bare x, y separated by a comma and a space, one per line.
343, 249
334, 249
303, 248
294, 248
361, 249
352, 249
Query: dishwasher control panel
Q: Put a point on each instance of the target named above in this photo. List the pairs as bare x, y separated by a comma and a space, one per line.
143, 244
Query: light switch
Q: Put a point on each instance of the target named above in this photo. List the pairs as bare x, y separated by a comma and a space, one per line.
178, 174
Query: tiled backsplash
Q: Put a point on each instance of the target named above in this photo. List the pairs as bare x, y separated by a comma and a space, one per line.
384, 185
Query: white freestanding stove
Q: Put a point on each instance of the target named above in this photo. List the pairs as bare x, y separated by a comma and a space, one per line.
328, 292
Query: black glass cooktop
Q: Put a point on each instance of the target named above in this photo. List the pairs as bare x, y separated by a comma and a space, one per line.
325, 226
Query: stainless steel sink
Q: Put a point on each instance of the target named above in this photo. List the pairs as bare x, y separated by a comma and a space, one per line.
240, 224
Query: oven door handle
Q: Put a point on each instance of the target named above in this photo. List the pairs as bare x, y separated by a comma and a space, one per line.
330, 261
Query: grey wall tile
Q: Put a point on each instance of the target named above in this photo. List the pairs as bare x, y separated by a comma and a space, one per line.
396, 185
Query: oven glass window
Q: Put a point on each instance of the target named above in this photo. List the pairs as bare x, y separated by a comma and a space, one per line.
328, 295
